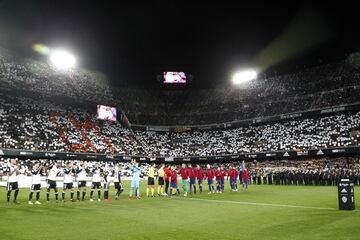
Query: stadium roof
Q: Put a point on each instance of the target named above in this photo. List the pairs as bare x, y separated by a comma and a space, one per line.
133, 42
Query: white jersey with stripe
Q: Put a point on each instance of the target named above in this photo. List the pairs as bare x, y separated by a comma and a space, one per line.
81, 174
96, 175
12, 176
117, 174
54, 171
36, 176
68, 176
106, 176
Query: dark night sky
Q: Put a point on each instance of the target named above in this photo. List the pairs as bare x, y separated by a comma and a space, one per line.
133, 41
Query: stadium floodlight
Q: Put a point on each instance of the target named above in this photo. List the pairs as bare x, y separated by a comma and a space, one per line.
244, 76
62, 59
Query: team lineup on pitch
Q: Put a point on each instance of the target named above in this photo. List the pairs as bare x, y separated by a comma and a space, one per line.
167, 180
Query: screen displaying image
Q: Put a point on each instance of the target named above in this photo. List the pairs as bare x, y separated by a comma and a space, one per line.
106, 113
174, 77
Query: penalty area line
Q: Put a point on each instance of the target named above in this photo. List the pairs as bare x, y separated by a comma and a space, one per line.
262, 204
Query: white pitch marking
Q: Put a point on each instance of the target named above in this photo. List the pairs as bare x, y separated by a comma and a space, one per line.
263, 204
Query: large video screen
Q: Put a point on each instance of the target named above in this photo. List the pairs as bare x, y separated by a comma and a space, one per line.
174, 77
106, 113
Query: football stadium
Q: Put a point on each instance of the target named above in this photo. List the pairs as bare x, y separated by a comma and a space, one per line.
179, 120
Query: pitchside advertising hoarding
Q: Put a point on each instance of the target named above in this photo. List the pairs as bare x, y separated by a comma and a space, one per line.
27, 154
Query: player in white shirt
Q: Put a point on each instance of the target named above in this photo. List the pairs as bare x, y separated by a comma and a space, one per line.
36, 174
68, 181
96, 182
12, 181
51, 180
81, 177
117, 182
106, 175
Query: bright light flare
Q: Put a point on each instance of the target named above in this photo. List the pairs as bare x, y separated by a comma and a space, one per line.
62, 59
41, 48
244, 76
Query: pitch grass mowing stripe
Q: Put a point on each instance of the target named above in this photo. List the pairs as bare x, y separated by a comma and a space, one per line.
262, 204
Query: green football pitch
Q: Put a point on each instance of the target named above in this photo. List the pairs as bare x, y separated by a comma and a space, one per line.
261, 212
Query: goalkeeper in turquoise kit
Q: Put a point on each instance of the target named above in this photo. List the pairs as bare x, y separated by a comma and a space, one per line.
135, 182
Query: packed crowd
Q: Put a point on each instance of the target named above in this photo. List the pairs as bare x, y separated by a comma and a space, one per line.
316, 87
324, 172
30, 124
329, 85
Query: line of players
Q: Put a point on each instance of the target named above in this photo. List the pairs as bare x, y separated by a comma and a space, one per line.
189, 175
69, 172
167, 175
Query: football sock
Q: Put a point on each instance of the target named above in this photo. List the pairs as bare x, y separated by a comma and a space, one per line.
8, 195
30, 196
16, 194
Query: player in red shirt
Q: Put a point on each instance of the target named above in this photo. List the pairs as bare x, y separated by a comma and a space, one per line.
233, 173
223, 173
200, 177
230, 176
210, 177
184, 172
173, 181
245, 178
192, 175
236, 174
167, 176
218, 179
